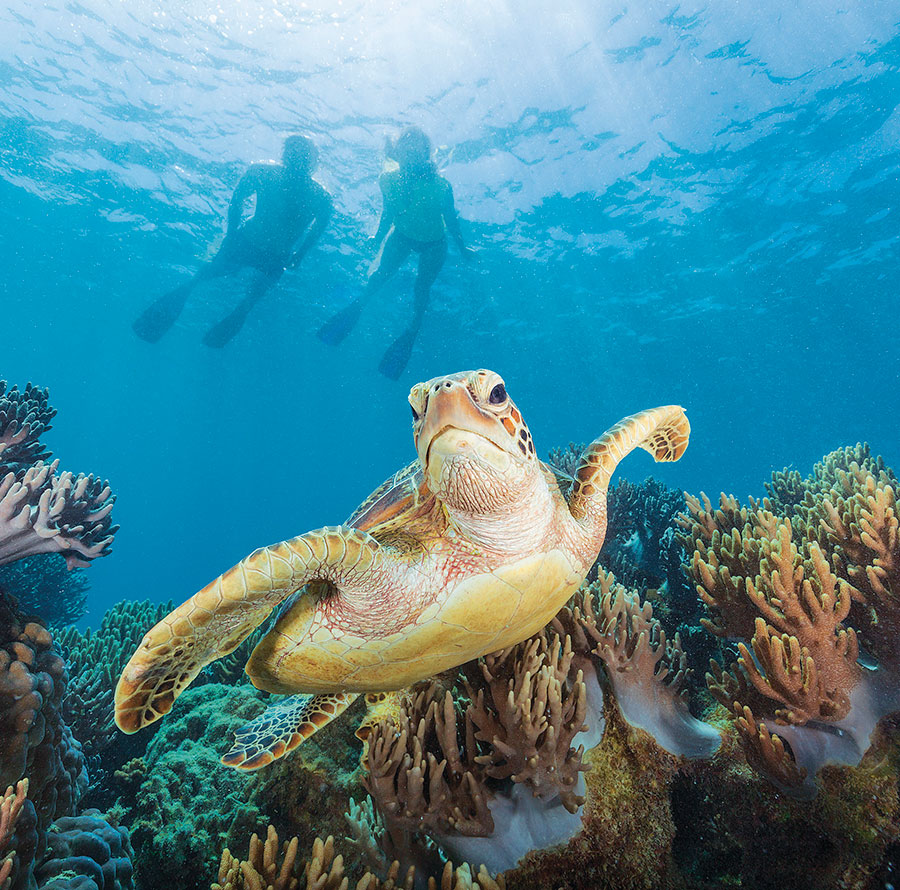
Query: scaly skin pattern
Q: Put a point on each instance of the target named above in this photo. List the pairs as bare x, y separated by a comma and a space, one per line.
448, 604
473, 551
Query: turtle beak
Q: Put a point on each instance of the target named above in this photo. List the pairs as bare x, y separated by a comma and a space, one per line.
452, 417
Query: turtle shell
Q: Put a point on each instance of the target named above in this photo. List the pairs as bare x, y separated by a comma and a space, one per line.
394, 503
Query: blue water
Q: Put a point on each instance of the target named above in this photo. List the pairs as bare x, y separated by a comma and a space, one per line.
688, 203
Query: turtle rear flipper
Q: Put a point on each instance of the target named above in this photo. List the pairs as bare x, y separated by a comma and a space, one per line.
216, 620
283, 726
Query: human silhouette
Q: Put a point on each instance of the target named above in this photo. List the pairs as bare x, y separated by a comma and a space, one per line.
290, 205
417, 213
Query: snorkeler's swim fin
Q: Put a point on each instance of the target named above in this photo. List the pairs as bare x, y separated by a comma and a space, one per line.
396, 356
339, 325
223, 332
160, 315
283, 726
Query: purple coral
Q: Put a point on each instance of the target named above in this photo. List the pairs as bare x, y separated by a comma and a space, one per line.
42, 510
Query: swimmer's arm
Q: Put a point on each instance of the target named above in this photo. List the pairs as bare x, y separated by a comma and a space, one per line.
384, 226
320, 222
248, 186
451, 221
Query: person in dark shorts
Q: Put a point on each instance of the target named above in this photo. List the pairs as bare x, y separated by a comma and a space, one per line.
417, 213
290, 204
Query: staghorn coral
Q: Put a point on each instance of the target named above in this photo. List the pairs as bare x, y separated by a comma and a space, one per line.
42, 510
86, 852
794, 586
10, 807
264, 869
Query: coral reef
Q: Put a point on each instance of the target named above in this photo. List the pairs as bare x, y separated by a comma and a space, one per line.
86, 852
42, 510
95, 659
609, 626
803, 590
35, 742
504, 782
11, 804
188, 805
324, 870
644, 551
43, 585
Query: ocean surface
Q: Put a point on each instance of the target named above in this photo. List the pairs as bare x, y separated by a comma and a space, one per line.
689, 203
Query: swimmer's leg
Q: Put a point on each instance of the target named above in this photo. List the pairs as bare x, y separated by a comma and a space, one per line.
396, 357
218, 335
393, 255
160, 315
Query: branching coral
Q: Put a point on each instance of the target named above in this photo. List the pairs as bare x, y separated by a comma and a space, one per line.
789, 585
265, 869
494, 781
24, 417
608, 625
419, 775
42, 510
11, 804
528, 712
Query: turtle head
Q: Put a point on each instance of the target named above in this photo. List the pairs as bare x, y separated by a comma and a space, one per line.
474, 447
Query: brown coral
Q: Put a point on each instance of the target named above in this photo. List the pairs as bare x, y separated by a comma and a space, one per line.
790, 586
10, 807
34, 740
418, 774
609, 624
324, 870
529, 711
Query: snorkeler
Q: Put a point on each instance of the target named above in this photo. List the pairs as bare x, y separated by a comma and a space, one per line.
289, 203
417, 212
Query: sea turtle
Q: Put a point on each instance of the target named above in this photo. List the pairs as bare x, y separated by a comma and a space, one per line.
473, 547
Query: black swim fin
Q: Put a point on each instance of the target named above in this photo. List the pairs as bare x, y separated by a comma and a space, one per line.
396, 356
339, 325
223, 332
160, 315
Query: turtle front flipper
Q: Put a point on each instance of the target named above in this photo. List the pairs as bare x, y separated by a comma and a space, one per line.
283, 726
215, 620
664, 432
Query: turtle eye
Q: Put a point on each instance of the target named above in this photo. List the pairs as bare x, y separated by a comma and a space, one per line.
414, 413
498, 395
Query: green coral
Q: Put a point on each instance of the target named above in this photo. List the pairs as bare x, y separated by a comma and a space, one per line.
95, 660
189, 806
